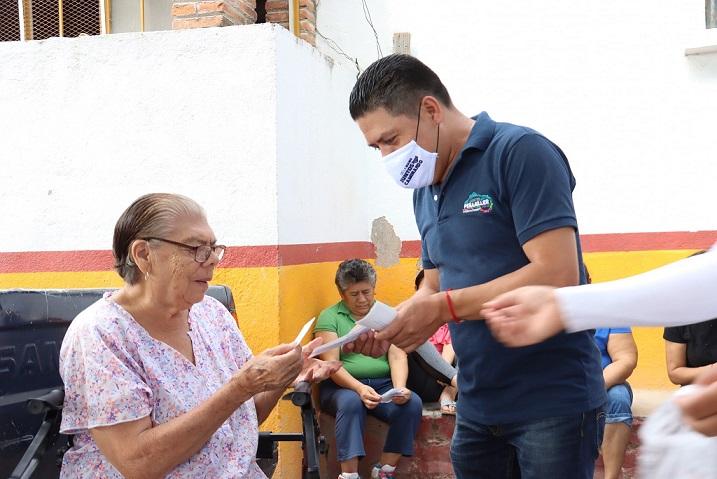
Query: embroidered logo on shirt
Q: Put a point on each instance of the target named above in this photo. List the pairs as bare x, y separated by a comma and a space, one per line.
480, 203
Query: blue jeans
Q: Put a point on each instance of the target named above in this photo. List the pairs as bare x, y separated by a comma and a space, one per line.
562, 447
350, 413
619, 404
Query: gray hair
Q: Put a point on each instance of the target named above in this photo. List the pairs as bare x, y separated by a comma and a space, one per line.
150, 215
354, 271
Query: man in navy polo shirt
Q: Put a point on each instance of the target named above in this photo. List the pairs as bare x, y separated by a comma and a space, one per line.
493, 204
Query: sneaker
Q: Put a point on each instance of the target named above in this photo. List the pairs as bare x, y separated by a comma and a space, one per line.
348, 476
378, 473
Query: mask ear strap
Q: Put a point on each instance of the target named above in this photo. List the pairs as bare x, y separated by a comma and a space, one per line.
438, 137
419, 119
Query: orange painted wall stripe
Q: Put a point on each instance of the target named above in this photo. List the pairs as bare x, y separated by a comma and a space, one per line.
287, 255
670, 240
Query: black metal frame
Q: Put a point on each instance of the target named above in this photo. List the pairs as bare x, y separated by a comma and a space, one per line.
50, 404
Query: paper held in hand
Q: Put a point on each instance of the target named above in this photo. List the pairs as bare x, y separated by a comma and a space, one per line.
390, 394
305, 329
380, 316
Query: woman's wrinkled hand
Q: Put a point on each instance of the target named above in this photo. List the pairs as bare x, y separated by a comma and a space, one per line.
275, 368
314, 369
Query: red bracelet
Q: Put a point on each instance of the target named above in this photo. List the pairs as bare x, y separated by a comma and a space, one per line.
451, 309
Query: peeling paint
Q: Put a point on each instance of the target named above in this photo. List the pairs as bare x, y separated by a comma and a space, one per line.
386, 242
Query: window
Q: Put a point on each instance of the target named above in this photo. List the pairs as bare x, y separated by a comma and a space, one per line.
711, 13
40, 19
9, 21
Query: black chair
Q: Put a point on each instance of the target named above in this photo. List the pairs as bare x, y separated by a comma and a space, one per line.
32, 326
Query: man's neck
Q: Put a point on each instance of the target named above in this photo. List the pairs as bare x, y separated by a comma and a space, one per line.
458, 126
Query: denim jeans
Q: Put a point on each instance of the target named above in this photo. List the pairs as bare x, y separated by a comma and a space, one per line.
562, 447
350, 413
619, 404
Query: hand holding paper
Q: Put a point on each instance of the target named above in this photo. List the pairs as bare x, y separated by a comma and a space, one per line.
357, 331
380, 316
390, 394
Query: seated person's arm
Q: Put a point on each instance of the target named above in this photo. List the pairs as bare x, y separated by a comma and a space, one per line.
677, 369
622, 350
398, 362
448, 354
137, 449
430, 284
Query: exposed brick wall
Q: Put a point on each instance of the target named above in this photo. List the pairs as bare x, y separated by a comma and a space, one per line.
277, 11
212, 13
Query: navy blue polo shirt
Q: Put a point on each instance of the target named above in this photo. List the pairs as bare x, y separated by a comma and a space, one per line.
507, 185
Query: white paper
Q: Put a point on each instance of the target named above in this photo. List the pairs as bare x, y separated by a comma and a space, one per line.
305, 329
379, 317
352, 335
390, 394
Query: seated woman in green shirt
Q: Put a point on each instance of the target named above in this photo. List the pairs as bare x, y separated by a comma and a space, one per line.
355, 389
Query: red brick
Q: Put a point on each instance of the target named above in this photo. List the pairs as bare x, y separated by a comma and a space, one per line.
184, 9
307, 14
240, 12
210, 7
277, 17
308, 3
199, 22
307, 26
309, 38
272, 5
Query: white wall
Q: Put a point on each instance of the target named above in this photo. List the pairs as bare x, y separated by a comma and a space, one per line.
249, 121
331, 184
608, 81
254, 124
89, 124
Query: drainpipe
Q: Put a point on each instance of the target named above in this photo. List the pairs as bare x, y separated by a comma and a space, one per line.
294, 26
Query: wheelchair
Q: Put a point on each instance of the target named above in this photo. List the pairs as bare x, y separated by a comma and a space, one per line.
48, 437
32, 325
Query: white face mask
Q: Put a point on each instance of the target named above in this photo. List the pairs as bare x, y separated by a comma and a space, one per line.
411, 166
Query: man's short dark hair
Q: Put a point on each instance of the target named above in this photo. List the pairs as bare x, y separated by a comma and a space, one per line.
397, 83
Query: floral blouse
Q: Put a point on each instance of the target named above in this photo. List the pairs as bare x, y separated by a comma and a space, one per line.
115, 372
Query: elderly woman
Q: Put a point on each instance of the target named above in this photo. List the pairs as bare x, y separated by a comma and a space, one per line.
355, 390
158, 379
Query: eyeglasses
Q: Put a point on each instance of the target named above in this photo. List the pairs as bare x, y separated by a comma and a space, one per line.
201, 252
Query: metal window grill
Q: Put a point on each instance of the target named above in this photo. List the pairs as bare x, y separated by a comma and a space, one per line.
61, 18
9, 21
40, 19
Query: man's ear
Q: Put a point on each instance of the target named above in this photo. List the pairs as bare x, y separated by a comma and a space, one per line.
433, 108
139, 253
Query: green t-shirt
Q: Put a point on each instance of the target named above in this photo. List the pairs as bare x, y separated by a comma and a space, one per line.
337, 319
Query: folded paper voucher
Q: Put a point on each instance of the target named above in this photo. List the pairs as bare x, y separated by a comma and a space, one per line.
390, 394
378, 318
305, 329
